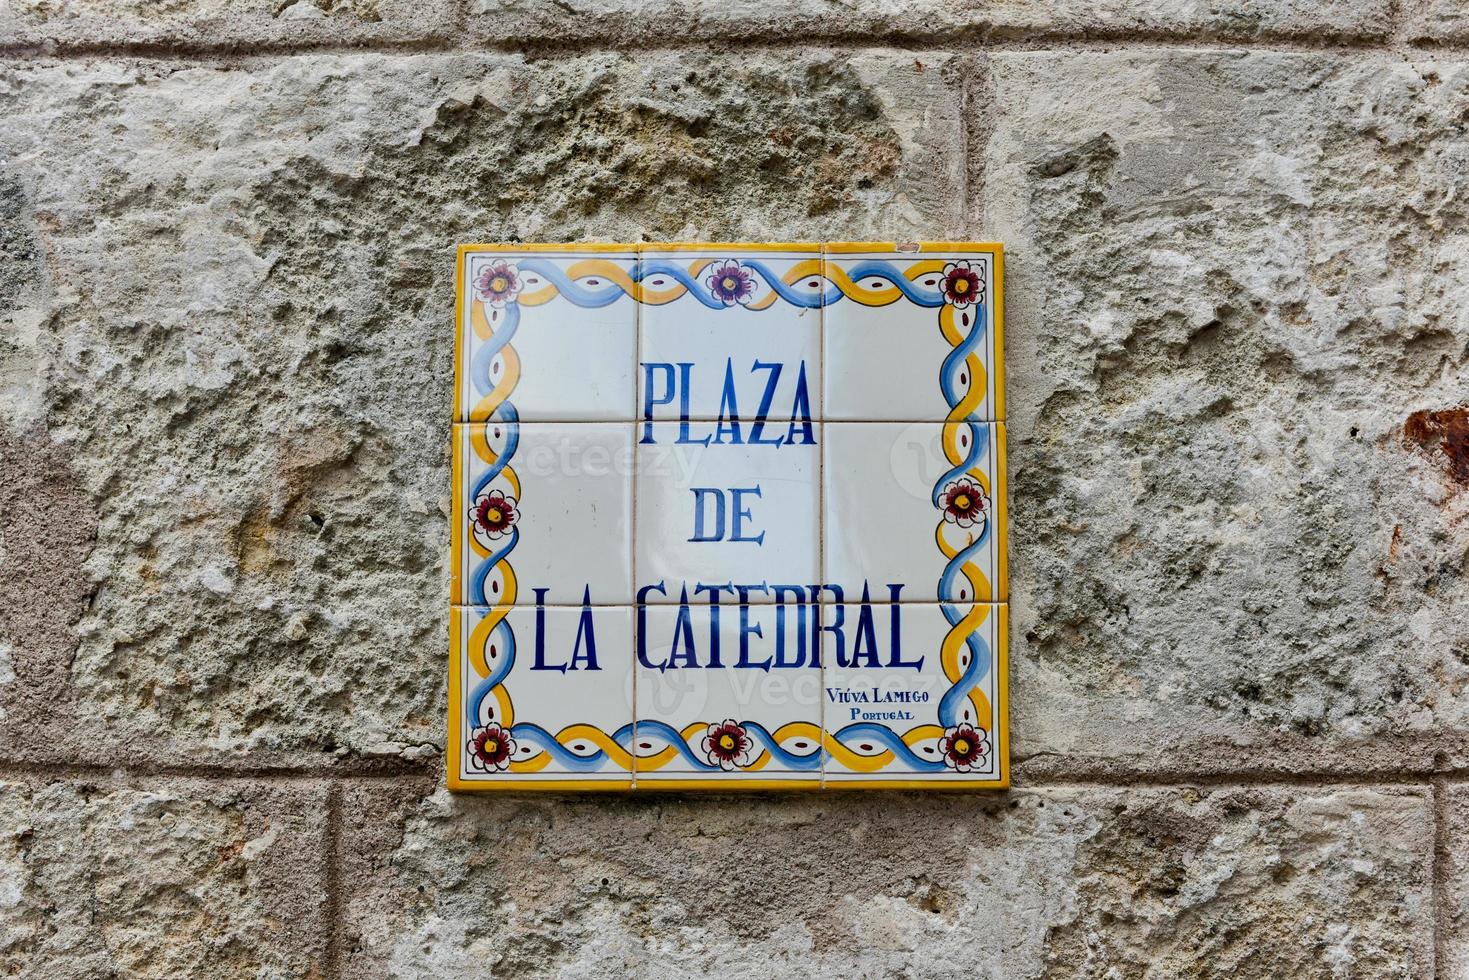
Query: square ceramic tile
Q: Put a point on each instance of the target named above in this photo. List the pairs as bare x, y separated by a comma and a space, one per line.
909, 699
546, 333
543, 513
731, 332
541, 697
727, 694
719, 512
913, 335
914, 512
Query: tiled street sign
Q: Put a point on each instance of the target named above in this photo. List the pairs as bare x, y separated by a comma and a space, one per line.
729, 516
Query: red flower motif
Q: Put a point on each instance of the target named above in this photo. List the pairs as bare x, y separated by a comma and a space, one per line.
731, 282
498, 284
493, 515
728, 745
964, 503
490, 749
963, 746
963, 284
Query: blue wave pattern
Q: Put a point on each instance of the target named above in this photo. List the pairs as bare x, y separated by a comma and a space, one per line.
608, 292
505, 416
809, 762
877, 268
950, 705
504, 639
953, 365
867, 731
569, 760
593, 297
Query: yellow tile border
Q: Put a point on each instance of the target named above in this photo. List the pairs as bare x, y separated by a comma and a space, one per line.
1002, 516
725, 785
912, 248
459, 783
1002, 739
575, 248
814, 247
459, 379
456, 514
453, 750
464, 251
994, 249
999, 365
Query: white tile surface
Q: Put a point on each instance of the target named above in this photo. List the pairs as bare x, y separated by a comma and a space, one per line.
564, 718
769, 532
705, 453
886, 362
571, 331
883, 527
572, 512
726, 342
745, 709
896, 707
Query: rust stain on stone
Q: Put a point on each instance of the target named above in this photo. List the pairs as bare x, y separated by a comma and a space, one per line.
1444, 436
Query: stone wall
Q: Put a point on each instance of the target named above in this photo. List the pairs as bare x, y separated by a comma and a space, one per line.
1238, 276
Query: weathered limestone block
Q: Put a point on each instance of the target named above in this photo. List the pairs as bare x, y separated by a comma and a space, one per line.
230, 320
1087, 882
1441, 21
1456, 874
222, 23
636, 21
180, 879
1233, 282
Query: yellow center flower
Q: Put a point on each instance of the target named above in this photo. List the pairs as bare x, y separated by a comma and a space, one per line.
961, 285
727, 742
491, 746
728, 283
961, 746
494, 514
962, 501
498, 284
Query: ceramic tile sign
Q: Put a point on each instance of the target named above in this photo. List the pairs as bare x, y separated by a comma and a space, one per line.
728, 516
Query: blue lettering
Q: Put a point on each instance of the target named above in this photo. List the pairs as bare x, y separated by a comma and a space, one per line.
700, 495
735, 535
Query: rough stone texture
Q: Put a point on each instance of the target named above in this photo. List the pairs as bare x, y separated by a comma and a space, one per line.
222, 23
299, 23
47, 529
1234, 548
1437, 21
1239, 463
1094, 882
1454, 869
233, 327
923, 21
195, 879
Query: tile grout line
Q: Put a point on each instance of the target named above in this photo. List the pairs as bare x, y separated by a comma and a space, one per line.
637, 363
695, 417
821, 523
1438, 866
